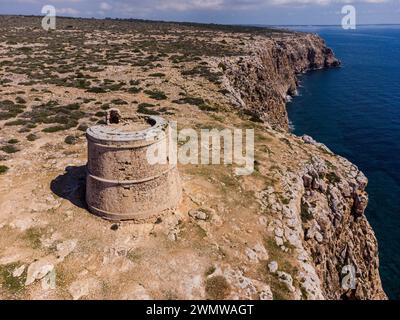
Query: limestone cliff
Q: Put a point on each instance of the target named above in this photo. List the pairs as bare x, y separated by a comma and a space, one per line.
287, 231
323, 217
261, 82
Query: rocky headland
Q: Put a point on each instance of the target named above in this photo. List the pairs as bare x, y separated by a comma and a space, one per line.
327, 200
288, 231
262, 82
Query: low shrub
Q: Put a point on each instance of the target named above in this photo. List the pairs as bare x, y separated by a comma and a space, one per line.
3, 169
70, 140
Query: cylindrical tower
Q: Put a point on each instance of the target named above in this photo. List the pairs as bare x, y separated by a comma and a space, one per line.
122, 184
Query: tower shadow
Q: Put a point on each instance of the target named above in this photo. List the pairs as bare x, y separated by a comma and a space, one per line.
71, 185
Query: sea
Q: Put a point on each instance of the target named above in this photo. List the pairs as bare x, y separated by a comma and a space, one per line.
355, 111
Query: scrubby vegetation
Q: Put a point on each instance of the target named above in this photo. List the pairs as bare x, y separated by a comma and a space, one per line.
156, 94
217, 287
12, 285
32, 137
57, 84
70, 140
9, 148
3, 169
147, 108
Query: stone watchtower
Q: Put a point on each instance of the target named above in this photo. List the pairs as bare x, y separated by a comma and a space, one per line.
121, 184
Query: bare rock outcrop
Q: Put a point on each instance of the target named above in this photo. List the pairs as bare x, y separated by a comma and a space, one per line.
295, 229
324, 225
261, 82
323, 221
337, 234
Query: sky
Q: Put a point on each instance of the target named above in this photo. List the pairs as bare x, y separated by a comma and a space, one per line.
264, 12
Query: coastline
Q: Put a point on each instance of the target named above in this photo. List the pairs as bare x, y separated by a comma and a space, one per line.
361, 124
318, 57
285, 232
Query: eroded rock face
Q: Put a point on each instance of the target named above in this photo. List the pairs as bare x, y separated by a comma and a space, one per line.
324, 220
261, 82
285, 232
327, 230
337, 234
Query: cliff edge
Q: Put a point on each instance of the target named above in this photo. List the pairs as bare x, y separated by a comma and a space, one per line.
324, 216
294, 229
260, 83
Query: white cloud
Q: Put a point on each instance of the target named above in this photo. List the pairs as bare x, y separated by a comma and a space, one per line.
321, 2
46, 2
26, 1
194, 4
303, 2
69, 11
105, 6
161, 8
190, 5
138, 6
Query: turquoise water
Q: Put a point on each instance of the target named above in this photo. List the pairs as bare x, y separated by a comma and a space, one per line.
355, 111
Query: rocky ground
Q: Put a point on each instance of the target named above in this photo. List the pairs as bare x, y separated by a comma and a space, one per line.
284, 232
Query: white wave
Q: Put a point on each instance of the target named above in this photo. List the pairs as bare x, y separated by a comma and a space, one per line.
291, 126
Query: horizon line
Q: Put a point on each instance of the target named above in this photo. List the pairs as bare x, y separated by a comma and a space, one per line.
209, 23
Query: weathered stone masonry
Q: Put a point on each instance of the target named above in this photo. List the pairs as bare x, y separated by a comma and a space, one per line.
121, 184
